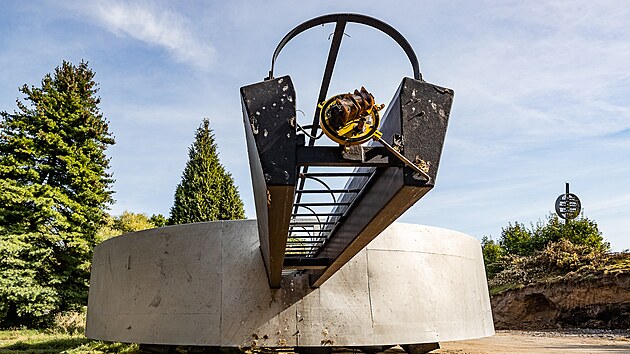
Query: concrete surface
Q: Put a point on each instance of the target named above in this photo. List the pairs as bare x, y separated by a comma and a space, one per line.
205, 284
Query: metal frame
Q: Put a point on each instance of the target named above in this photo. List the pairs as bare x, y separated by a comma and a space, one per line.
299, 230
341, 20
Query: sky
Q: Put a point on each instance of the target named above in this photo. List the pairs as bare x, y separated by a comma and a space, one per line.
541, 92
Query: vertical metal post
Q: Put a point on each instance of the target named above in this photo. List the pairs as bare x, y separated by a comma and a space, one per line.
566, 221
323, 91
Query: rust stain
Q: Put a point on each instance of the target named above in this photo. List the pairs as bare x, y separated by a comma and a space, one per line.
424, 165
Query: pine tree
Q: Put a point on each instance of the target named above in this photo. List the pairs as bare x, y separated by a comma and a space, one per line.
54, 189
206, 192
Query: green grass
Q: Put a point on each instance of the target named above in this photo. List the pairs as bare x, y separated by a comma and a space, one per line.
41, 342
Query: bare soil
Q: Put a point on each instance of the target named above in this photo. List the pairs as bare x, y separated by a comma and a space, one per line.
578, 341
597, 301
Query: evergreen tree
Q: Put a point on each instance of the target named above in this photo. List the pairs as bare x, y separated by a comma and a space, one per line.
206, 192
54, 189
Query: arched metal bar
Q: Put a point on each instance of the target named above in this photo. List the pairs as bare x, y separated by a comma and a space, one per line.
312, 246
322, 183
341, 20
303, 130
312, 211
356, 18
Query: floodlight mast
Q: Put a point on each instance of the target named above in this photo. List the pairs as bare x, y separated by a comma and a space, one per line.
386, 180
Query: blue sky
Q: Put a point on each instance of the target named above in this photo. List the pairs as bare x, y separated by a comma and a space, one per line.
541, 92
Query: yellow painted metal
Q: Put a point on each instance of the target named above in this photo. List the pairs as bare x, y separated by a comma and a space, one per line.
350, 119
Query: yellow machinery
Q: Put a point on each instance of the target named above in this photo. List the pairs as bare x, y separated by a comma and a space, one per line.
353, 119
350, 119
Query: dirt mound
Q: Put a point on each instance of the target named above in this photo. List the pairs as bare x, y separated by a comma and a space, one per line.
600, 300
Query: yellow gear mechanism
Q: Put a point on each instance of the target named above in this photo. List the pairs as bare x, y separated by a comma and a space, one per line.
350, 118
353, 118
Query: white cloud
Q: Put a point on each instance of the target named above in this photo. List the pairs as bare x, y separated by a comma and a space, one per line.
154, 25
546, 70
541, 94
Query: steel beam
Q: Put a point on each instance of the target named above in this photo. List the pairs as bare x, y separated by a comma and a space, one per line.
416, 120
339, 156
269, 115
306, 263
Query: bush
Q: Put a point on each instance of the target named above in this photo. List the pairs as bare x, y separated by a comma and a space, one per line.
580, 231
69, 322
517, 240
125, 223
557, 259
564, 256
493, 255
548, 249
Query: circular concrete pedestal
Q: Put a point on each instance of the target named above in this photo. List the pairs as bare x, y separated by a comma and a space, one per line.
205, 285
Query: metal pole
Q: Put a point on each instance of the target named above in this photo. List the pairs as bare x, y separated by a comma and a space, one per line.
566, 220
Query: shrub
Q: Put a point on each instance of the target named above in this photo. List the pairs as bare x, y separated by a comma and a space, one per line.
493, 255
557, 259
517, 240
580, 231
69, 322
564, 256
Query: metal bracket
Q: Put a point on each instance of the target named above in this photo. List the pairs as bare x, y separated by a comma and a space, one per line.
379, 138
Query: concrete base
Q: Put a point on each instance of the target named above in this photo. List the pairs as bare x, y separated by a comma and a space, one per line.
205, 285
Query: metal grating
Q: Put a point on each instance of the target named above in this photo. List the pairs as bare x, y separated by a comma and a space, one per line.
319, 205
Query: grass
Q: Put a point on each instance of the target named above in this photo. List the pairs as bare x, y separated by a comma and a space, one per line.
40, 342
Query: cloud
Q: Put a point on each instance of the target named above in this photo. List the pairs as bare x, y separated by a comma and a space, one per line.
154, 25
545, 71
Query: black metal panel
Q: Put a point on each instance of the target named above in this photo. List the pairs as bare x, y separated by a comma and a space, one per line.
339, 156
419, 113
269, 110
306, 263
269, 117
417, 119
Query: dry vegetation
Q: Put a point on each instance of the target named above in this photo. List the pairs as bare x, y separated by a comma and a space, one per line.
558, 262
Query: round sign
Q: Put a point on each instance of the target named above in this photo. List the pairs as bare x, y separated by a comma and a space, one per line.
568, 206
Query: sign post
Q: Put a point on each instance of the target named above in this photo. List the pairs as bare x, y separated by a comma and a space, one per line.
568, 205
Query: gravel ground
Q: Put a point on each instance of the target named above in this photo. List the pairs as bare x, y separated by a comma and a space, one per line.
569, 341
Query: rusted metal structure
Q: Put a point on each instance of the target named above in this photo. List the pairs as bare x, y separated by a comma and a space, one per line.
298, 233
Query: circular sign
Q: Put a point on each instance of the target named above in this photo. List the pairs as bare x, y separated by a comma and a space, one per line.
568, 206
